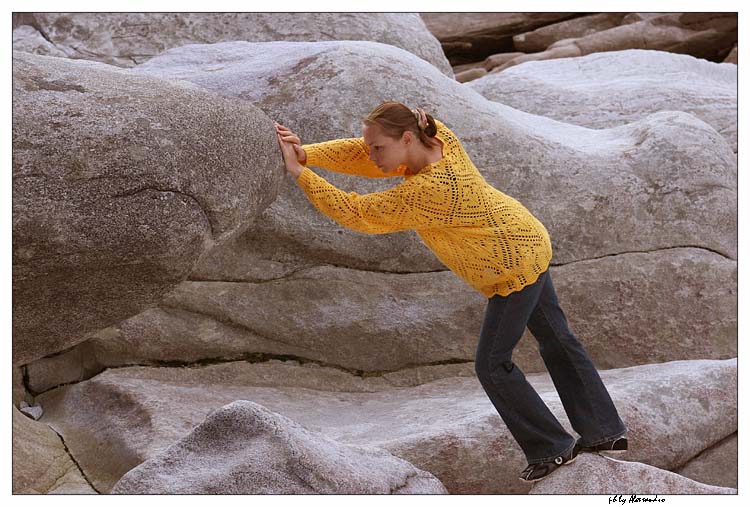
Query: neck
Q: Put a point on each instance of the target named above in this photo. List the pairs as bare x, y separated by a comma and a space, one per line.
420, 161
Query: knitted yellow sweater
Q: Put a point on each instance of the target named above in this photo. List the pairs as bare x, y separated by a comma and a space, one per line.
487, 238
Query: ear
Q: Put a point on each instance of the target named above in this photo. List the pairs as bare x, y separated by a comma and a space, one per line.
407, 137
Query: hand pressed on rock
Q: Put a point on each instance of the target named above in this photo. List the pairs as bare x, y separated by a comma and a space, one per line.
290, 137
291, 163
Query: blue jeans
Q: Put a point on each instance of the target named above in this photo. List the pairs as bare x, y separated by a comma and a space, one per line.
585, 399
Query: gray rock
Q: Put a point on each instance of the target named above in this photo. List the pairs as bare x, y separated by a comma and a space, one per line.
244, 448
604, 90
33, 411
129, 38
717, 465
41, 464
592, 474
27, 38
448, 427
120, 183
627, 309
673, 173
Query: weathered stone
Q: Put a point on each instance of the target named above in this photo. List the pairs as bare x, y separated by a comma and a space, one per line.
604, 90
471, 74
19, 389
541, 38
27, 38
717, 465
703, 35
129, 38
592, 474
732, 56
673, 173
555, 52
120, 183
627, 310
244, 448
33, 411
498, 59
41, 464
122, 417
471, 36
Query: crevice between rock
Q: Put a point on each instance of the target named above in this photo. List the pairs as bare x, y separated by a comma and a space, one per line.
307, 268
677, 247
259, 357
65, 446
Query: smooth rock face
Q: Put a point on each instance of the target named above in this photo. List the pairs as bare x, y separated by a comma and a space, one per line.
592, 474
626, 309
448, 427
129, 38
717, 465
244, 448
675, 175
40, 463
120, 183
604, 90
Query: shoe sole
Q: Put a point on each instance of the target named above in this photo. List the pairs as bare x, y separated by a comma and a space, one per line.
542, 478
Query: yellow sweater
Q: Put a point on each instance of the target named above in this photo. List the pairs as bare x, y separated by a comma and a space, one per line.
487, 238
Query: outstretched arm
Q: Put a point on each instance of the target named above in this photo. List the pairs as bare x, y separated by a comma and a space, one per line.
395, 209
349, 155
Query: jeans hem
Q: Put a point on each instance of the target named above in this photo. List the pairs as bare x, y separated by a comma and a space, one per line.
550, 458
621, 433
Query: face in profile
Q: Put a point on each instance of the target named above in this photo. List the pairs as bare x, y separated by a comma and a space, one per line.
386, 152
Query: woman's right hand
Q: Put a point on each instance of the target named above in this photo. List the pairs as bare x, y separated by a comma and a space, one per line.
290, 137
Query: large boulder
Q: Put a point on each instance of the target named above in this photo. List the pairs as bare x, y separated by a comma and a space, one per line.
129, 38
592, 474
626, 309
244, 448
448, 427
663, 182
41, 464
603, 90
120, 183
673, 173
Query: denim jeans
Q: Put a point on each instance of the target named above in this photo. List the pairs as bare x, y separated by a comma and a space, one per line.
585, 399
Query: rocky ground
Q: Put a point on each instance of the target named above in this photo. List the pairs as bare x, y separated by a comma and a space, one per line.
184, 321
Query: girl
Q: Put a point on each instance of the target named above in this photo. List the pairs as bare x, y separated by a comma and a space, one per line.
493, 243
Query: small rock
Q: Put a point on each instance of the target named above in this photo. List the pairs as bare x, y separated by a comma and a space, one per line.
33, 411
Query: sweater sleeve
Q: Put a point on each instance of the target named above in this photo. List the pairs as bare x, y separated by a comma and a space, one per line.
350, 156
395, 209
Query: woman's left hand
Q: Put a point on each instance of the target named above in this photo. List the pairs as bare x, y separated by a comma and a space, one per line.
290, 157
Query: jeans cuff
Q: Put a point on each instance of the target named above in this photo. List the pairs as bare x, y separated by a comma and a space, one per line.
619, 434
550, 458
